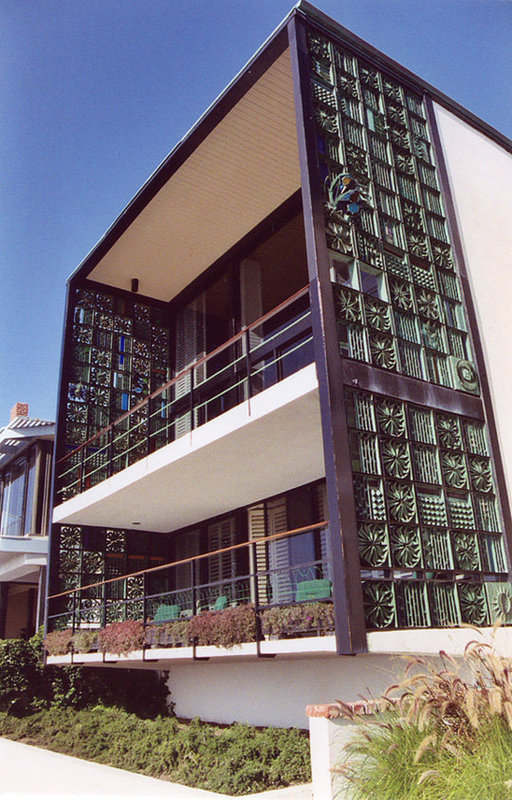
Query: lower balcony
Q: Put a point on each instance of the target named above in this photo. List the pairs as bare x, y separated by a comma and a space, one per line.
281, 605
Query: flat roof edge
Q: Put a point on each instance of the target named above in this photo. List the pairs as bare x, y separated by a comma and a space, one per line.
213, 113
313, 14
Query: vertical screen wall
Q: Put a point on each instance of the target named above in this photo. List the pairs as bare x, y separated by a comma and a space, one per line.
429, 522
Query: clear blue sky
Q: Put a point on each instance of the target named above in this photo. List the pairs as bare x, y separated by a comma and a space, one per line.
95, 93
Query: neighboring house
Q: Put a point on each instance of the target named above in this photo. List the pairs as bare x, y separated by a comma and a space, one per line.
276, 384
26, 446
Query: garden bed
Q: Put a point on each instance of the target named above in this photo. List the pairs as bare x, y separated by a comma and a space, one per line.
235, 759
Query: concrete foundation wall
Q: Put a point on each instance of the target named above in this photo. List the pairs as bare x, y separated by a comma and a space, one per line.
276, 691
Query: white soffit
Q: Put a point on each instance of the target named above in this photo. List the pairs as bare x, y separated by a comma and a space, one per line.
244, 169
248, 453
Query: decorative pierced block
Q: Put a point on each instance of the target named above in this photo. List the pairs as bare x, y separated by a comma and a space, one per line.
70, 537
454, 470
377, 314
499, 602
382, 351
473, 603
465, 551
379, 604
373, 545
410, 359
422, 425
401, 505
365, 454
369, 498
391, 417
431, 508
437, 549
481, 474
364, 416
348, 305
448, 431
476, 438
395, 458
492, 553
460, 511
406, 546
426, 464
486, 513
444, 606
412, 603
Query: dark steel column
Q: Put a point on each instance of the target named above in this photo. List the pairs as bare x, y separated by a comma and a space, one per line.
347, 591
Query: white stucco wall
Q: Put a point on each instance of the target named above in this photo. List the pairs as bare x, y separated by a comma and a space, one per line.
274, 691
480, 174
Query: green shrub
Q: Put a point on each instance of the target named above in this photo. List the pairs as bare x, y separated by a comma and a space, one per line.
57, 643
236, 759
22, 684
299, 618
26, 685
224, 628
170, 634
84, 641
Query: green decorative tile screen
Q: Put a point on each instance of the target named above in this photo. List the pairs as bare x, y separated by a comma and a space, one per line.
398, 298
429, 525
119, 353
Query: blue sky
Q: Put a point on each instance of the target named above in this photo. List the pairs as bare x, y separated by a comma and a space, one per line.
95, 93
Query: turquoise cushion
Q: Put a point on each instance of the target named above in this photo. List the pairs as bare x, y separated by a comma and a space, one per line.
313, 590
165, 612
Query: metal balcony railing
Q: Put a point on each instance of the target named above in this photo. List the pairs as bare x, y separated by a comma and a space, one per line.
271, 348
178, 591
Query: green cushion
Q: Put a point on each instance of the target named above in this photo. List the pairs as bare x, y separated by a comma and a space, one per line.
220, 603
165, 612
313, 590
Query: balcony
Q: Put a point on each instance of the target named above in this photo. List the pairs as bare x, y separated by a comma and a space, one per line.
277, 591
251, 402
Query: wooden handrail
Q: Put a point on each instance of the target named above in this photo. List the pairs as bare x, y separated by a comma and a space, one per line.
188, 369
190, 559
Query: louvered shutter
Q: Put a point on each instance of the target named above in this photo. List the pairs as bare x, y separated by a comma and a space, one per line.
279, 554
257, 530
223, 566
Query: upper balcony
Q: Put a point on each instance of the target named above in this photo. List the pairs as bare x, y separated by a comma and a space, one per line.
205, 441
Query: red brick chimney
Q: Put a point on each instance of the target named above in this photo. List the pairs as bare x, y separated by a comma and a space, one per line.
19, 410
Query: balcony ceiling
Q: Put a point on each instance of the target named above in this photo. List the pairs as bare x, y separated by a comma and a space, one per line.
245, 168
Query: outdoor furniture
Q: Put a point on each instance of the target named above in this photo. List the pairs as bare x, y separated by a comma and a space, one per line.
221, 603
313, 590
166, 612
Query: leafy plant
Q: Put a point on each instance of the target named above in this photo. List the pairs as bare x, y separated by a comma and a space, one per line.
21, 677
237, 759
300, 618
224, 628
171, 634
84, 641
57, 643
121, 638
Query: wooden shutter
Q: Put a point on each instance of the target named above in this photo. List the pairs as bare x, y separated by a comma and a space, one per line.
221, 534
279, 555
257, 530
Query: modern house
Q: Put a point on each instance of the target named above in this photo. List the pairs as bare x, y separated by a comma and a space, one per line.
26, 446
285, 385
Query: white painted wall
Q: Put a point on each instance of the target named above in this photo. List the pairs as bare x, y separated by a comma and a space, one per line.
276, 691
480, 174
